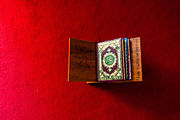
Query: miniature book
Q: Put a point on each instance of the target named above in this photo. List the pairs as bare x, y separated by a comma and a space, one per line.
111, 61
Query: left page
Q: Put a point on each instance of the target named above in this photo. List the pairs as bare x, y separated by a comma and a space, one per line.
82, 60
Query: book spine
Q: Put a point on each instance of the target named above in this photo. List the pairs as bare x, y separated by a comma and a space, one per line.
127, 59
123, 59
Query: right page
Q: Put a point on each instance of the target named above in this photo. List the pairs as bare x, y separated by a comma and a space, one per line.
110, 60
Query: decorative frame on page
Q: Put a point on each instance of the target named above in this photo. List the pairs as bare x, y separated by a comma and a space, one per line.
110, 64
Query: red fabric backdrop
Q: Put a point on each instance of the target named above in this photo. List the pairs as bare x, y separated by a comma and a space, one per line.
34, 52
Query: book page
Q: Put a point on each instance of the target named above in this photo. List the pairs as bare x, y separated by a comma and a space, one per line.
82, 60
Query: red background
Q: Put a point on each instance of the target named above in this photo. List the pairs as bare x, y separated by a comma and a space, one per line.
34, 51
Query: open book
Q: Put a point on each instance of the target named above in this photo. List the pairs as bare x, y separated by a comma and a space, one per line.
112, 61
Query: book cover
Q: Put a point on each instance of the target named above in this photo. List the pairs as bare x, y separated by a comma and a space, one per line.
110, 63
